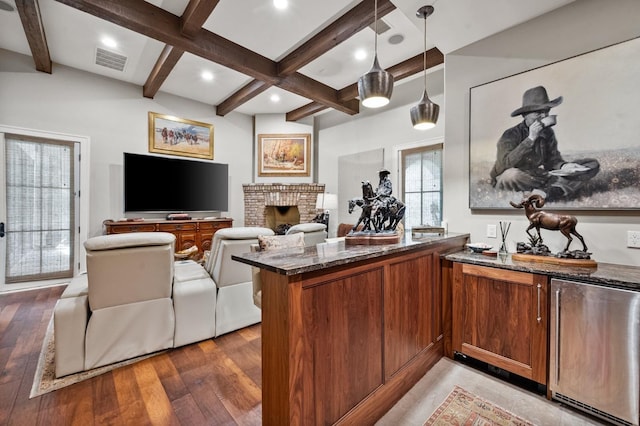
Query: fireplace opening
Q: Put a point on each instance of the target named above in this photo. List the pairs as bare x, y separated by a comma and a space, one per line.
281, 218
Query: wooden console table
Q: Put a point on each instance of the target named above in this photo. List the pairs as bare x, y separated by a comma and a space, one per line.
198, 232
348, 329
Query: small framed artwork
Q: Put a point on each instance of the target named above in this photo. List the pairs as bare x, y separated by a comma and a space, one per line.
284, 155
179, 136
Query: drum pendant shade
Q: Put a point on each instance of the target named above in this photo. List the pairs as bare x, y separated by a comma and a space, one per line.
376, 86
425, 115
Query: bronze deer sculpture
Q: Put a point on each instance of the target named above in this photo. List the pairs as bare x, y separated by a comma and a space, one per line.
566, 224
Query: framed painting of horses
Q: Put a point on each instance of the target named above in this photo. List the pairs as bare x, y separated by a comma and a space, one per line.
179, 136
284, 155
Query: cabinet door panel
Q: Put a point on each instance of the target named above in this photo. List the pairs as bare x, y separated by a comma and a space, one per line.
500, 317
185, 240
503, 318
409, 309
205, 240
347, 312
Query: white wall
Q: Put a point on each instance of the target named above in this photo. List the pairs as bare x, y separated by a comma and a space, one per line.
113, 116
577, 28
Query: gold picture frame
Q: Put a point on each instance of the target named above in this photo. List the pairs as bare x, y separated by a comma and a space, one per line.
179, 136
284, 154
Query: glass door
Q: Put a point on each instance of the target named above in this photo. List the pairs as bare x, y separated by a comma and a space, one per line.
37, 205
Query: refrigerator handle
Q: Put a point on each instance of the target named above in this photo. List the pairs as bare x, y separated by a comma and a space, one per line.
557, 333
539, 290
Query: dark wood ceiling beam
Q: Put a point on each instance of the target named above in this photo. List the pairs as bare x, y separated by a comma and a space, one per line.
399, 71
309, 88
305, 111
195, 15
161, 70
154, 22
29, 11
248, 92
338, 31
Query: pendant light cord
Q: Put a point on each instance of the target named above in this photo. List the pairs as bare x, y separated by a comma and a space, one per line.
375, 27
425, 53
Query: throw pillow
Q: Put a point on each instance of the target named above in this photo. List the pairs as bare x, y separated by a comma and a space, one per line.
271, 242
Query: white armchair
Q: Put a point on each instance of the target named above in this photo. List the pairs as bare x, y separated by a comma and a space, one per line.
234, 307
133, 300
314, 233
122, 307
274, 242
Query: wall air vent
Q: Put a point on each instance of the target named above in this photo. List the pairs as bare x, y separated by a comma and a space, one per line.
109, 59
383, 27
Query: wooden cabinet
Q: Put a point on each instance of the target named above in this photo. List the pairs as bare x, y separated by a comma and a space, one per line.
501, 317
188, 233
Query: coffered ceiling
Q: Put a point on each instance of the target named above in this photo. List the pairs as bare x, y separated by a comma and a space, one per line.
304, 55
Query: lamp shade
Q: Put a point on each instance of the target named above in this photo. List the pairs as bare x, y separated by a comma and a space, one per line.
424, 115
327, 201
376, 86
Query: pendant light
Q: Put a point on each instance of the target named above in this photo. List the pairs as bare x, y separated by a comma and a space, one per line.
376, 86
425, 115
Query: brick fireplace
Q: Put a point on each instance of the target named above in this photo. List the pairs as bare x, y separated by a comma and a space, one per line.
264, 200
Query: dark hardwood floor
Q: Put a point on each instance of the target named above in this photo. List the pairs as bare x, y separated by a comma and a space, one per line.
214, 382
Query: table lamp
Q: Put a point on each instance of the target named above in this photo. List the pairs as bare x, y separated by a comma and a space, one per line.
326, 202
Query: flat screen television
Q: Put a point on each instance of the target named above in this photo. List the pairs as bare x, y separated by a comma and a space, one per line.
170, 185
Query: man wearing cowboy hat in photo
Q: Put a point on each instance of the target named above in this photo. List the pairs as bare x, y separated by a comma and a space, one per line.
528, 156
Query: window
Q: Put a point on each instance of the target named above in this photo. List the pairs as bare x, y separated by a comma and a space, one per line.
422, 185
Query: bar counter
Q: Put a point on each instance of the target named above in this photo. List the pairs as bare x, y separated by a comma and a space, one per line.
607, 274
348, 329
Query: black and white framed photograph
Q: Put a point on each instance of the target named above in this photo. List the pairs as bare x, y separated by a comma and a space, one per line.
569, 130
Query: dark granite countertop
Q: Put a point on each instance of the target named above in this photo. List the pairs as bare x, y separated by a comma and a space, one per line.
326, 255
608, 274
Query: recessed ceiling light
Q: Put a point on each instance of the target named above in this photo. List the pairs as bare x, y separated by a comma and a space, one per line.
396, 39
281, 4
360, 54
207, 75
275, 98
109, 42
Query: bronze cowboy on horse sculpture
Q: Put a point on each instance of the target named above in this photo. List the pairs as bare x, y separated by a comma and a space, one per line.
381, 211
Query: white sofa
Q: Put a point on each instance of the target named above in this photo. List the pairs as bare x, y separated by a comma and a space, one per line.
135, 299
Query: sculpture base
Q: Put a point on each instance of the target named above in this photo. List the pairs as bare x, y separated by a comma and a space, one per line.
554, 260
370, 239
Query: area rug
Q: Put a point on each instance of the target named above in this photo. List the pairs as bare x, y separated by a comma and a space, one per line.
45, 381
464, 408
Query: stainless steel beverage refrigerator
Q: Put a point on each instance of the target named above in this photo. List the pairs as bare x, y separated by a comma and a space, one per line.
595, 350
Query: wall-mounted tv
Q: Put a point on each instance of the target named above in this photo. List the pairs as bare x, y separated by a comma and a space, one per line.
170, 185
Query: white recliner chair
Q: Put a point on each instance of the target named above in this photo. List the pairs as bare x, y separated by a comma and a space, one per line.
314, 233
132, 301
234, 304
272, 242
